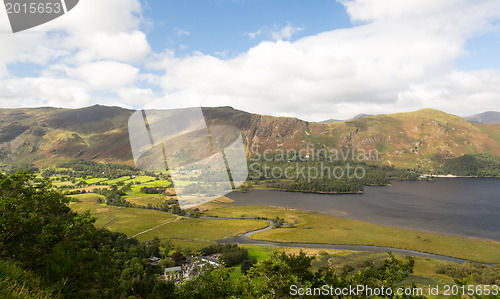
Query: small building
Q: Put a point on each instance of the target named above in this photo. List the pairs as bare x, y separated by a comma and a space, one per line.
192, 267
172, 273
212, 259
153, 261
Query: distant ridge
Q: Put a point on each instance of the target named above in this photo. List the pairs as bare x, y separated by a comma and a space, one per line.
489, 117
328, 121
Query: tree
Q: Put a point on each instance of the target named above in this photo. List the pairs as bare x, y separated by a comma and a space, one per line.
154, 247
168, 246
246, 265
178, 258
40, 233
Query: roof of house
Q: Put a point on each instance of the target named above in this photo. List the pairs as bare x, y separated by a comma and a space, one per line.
209, 259
172, 269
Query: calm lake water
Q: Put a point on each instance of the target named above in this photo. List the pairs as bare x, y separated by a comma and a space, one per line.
460, 206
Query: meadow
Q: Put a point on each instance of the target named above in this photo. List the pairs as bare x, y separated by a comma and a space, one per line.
310, 227
132, 221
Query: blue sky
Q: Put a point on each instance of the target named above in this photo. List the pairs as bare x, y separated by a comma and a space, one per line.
221, 27
214, 27
483, 52
310, 59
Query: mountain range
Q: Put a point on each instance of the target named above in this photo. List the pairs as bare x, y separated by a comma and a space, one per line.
423, 138
489, 117
337, 120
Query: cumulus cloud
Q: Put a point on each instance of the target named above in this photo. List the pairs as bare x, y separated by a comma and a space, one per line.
82, 57
398, 56
105, 75
387, 63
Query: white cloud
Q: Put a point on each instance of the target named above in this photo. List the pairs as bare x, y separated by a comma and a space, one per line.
384, 65
253, 35
85, 56
105, 75
44, 91
3, 70
181, 32
120, 46
458, 92
400, 56
286, 32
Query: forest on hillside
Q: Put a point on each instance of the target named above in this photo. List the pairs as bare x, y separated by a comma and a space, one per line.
480, 165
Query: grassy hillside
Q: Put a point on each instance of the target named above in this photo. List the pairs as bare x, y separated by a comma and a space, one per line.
45, 136
421, 139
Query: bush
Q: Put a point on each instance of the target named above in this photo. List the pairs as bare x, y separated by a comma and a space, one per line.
247, 264
483, 274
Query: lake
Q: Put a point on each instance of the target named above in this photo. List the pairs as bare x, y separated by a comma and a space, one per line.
459, 206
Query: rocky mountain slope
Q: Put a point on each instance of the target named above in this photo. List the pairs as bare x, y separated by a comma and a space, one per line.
423, 138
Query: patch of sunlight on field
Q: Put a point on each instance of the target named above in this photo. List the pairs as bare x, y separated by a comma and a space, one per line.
214, 204
141, 179
94, 180
145, 199
59, 184
114, 181
159, 183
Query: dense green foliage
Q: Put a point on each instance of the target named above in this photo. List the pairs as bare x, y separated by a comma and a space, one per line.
482, 274
86, 168
481, 165
274, 276
16, 283
231, 253
23, 167
296, 173
153, 190
69, 254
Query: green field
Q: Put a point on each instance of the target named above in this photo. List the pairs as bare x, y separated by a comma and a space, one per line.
94, 180
132, 221
312, 227
191, 245
203, 229
128, 220
145, 199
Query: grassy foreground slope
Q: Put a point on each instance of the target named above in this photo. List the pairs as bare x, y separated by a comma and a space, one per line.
310, 227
